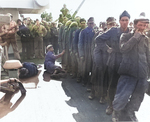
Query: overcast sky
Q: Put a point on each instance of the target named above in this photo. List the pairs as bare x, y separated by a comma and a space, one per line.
100, 9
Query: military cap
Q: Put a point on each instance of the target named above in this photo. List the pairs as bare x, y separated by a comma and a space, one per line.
49, 46
110, 20
141, 18
125, 13
91, 19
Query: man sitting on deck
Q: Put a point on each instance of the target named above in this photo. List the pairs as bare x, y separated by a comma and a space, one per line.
49, 63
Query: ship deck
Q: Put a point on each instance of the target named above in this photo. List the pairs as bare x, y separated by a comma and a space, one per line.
63, 100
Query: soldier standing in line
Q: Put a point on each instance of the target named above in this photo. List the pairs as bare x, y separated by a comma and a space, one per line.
54, 37
61, 40
84, 46
59, 27
99, 77
47, 37
31, 39
24, 33
39, 32
72, 28
109, 41
75, 48
134, 72
10, 36
65, 43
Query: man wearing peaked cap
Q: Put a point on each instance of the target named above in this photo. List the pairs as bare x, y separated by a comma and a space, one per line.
109, 42
125, 13
133, 71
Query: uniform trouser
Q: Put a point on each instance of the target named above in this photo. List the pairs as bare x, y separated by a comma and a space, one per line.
31, 46
113, 80
85, 73
14, 45
26, 47
38, 46
99, 83
82, 67
74, 64
67, 60
94, 80
5, 53
130, 93
60, 47
45, 44
79, 66
55, 45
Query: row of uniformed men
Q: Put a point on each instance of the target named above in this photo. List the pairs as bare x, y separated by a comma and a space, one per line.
94, 57
34, 37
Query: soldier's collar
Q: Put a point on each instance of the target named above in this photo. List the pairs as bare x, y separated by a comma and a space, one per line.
120, 31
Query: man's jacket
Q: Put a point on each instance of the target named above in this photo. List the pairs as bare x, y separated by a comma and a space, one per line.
136, 55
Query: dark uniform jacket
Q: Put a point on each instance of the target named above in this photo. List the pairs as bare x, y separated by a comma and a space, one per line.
85, 45
32, 70
60, 38
54, 35
85, 41
111, 39
71, 38
23, 32
136, 55
76, 40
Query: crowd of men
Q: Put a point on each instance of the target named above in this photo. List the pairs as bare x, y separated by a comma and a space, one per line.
34, 36
111, 60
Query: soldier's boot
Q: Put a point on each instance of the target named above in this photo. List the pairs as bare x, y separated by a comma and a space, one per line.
115, 116
102, 100
109, 110
132, 116
92, 95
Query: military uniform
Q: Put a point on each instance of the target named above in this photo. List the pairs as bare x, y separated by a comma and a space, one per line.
10, 37
134, 70
65, 44
24, 33
73, 27
46, 38
39, 31
31, 41
54, 39
112, 37
84, 45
